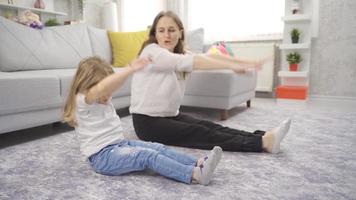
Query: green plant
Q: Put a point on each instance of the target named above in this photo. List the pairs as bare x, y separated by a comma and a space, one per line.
52, 22
294, 58
295, 33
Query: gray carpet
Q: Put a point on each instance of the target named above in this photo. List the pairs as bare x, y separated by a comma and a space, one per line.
318, 161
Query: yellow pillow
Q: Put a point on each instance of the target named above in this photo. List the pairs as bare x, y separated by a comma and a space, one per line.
125, 46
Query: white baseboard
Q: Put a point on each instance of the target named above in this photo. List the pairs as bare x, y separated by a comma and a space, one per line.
332, 98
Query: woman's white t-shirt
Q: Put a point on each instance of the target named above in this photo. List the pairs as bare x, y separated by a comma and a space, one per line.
158, 89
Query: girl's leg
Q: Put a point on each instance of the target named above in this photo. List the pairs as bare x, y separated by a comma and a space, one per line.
186, 133
164, 150
121, 158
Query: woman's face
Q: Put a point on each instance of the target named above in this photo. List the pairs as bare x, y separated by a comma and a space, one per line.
167, 33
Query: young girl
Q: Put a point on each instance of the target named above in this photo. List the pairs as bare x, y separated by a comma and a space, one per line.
98, 129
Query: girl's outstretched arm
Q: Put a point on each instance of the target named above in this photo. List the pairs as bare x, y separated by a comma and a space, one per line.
113, 82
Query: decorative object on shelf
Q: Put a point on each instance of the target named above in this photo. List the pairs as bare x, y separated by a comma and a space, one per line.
81, 6
294, 59
30, 19
295, 33
10, 2
52, 22
39, 4
71, 22
295, 7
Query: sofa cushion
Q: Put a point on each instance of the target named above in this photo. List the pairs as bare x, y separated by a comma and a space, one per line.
125, 46
125, 89
65, 77
50, 48
100, 43
195, 40
21, 92
203, 83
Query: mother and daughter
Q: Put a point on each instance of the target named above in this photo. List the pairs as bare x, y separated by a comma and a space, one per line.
159, 76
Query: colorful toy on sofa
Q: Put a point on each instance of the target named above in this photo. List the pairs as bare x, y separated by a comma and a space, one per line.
221, 48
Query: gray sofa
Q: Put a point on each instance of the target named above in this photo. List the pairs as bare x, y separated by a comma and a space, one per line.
36, 68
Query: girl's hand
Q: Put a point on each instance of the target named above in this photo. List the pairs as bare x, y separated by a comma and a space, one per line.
138, 64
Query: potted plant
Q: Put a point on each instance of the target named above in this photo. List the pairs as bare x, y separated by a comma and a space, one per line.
295, 33
294, 59
52, 22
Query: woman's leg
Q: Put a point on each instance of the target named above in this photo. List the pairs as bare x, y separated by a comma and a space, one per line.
186, 133
216, 127
164, 150
123, 158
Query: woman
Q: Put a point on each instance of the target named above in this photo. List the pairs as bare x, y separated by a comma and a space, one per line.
157, 93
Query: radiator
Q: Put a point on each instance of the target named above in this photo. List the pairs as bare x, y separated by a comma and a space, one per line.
254, 51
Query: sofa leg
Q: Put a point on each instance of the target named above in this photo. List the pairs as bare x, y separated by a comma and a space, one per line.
248, 103
224, 114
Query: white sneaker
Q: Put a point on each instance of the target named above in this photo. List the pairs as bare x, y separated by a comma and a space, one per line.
279, 135
206, 169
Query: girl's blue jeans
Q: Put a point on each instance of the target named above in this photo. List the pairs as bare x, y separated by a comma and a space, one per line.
133, 155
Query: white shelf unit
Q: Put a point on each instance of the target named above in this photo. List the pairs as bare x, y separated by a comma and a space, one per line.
295, 46
16, 10
36, 10
301, 74
296, 18
302, 20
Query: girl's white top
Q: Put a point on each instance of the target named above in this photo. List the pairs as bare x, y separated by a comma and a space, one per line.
98, 125
158, 89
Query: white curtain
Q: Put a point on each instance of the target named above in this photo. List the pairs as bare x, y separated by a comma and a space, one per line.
236, 19
137, 15
180, 7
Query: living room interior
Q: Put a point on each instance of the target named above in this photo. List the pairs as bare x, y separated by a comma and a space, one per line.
310, 77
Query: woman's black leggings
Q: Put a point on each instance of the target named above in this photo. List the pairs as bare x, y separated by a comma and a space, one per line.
186, 131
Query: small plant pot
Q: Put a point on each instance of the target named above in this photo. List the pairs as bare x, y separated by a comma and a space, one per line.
293, 67
295, 40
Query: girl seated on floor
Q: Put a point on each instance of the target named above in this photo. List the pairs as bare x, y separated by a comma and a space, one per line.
98, 129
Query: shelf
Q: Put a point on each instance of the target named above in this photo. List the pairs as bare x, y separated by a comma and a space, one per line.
296, 18
291, 92
295, 46
10, 6
301, 74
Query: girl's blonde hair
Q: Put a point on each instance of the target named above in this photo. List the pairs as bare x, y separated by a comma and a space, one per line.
90, 71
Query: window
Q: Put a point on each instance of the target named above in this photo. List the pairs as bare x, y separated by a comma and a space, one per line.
137, 15
230, 20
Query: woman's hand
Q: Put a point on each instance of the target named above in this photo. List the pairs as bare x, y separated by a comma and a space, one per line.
138, 64
251, 65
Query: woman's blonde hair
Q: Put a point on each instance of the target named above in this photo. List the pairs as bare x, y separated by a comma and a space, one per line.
179, 48
90, 71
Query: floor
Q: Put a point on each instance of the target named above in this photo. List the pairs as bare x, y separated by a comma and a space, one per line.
318, 159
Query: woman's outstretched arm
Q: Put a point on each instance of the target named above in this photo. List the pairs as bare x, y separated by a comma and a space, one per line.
210, 62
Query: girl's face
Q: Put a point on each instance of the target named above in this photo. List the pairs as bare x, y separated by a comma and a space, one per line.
167, 33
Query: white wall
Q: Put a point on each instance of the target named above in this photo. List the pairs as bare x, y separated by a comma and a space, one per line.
333, 61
